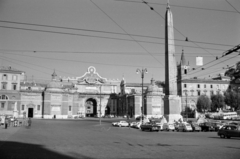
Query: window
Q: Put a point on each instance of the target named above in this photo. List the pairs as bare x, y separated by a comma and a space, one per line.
185, 85
38, 107
14, 77
70, 108
14, 86
205, 86
211, 86
2, 105
198, 86
199, 93
4, 77
4, 97
4, 85
22, 107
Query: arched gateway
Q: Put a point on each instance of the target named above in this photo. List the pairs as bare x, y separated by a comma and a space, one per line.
91, 107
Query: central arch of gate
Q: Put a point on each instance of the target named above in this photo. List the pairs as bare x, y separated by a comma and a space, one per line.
91, 107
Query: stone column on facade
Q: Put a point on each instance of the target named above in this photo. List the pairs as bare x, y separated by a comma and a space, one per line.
15, 111
172, 102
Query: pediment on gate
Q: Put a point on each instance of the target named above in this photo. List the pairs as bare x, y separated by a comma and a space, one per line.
91, 77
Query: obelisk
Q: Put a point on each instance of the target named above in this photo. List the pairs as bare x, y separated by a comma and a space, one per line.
172, 102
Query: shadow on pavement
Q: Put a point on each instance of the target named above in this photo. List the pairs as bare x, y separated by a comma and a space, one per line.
18, 150
232, 138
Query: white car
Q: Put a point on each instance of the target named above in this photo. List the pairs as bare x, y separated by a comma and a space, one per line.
123, 123
168, 126
120, 123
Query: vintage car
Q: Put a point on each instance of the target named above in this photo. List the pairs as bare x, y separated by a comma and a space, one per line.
207, 126
150, 126
120, 124
229, 131
123, 123
195, 127
217, 125
168, 127
184, 127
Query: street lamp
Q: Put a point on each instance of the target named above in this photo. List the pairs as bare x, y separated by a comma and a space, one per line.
142, 76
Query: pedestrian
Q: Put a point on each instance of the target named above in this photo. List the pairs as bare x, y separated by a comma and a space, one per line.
29, 122
6, 123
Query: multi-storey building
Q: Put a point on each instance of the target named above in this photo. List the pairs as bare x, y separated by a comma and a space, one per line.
10, 87
191, 88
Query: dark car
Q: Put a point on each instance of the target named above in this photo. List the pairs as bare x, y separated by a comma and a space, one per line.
229, 131
207, 126
150, 126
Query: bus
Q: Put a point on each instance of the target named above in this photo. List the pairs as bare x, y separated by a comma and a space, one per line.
228, 115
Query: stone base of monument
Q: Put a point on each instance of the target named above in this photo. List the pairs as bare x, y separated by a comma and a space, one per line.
172, 108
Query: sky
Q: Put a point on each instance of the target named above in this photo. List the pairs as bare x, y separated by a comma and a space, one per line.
116, 36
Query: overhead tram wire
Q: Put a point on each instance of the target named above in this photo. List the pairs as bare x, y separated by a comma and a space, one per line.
56, 59
224, 54
95, 36
210, 73
36, 65
162, 4
214, 64
107, 32
146, 3
94, 52
24, 66
232, 6
126, 33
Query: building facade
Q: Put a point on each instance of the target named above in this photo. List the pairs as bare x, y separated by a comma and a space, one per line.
189, 89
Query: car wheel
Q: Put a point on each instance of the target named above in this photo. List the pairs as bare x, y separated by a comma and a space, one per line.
222, 136
228, 137
150, 129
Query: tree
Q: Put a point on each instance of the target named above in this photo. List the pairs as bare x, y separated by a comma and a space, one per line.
203, 103
190, 113
232, 99
217, 101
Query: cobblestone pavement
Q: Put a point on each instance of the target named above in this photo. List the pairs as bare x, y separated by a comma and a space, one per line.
85, 138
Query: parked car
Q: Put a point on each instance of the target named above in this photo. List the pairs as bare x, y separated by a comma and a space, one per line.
123, 123
216, 125
184, 127
150, 126
157, 123
132, 124
168, 127
120, 123
207, 126
195, 127
229, 131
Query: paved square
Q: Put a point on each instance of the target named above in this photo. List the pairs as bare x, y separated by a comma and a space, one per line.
85, 138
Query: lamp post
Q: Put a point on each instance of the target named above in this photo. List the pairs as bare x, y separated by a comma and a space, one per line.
143, 71
238, 88
100, 105
186, 102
